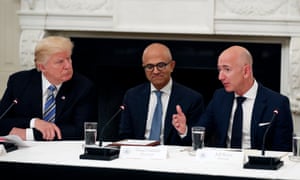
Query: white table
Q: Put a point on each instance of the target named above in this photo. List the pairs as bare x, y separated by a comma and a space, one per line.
179, 162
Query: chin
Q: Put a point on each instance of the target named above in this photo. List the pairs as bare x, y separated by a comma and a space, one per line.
228, 89
67, 78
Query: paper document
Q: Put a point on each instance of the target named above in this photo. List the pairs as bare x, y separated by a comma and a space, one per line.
14, 139
136, 142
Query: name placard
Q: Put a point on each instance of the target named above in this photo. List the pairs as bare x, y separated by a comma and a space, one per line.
211, 154
143, 152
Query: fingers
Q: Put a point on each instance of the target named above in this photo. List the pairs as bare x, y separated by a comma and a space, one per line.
177, 117
179, 110
57, 131
179, 120
19, 132
48, 134
49, 130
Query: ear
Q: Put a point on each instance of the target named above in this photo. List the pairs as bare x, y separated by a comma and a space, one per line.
41, 67
172, 64
247, 70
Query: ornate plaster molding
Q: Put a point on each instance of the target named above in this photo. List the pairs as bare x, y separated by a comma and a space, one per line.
28, 41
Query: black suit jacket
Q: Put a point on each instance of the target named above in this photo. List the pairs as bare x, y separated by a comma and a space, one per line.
75, 103
217, 116
134, 117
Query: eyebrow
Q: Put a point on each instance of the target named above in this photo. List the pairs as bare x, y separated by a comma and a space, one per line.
223, 66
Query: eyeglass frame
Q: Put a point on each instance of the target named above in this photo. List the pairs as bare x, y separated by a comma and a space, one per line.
159, 66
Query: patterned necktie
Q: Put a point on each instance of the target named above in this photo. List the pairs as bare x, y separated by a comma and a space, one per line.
237, 125
157, 119
49, 111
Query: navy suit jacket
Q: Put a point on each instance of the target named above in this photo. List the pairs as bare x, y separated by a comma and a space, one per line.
217, 116
75, 103
134, 117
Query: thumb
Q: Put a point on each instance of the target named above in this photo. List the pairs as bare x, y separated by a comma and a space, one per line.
179, 110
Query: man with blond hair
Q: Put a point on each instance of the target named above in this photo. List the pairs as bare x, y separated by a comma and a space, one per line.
51, 101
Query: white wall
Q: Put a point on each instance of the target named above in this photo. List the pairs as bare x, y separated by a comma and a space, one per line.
258, 19
9, 40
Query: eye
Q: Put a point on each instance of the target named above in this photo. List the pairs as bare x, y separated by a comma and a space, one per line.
59, 61
149, 66
161, 65
227, 69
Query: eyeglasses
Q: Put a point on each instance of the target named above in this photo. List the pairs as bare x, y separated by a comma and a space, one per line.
160, 66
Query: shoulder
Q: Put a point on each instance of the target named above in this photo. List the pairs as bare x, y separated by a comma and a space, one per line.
221, 94
182, 89
81, 80
266, 92
24, 75
140, 88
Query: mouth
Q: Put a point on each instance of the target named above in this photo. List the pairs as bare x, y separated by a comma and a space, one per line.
225, 84
157, 76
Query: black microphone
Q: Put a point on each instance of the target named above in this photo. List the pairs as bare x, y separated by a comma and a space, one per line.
263, 162
8, 145
103, 153
15, 101
107, 123
275, 113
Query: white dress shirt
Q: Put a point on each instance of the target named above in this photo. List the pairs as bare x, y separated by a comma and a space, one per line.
247, 115
45, 85
151, 106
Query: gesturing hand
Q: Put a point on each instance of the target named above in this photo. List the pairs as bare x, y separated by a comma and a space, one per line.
179, 120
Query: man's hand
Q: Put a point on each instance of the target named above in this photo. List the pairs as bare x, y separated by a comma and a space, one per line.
19, 132
48, 129
179, 120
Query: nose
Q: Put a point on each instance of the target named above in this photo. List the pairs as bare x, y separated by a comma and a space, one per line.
220, 76
155, 69
68, 63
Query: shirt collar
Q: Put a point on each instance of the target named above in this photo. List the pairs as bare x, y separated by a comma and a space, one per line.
251, 93
166, 89
46, 84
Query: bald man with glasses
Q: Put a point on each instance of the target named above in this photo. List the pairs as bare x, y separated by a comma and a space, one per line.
138, 120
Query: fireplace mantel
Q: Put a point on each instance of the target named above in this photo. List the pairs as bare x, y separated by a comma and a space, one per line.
239, 20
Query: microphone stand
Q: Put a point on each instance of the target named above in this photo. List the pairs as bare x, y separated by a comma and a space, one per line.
8, 145
106, 124
9, 107
263, 162
102, 153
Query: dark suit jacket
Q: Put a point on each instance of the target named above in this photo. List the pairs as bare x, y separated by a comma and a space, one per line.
134, 117
217, 116
75, 103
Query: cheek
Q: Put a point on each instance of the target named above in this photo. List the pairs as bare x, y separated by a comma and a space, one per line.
148, 75
237, 80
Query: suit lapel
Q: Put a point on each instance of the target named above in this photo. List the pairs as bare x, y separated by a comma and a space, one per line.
171, 109
226, 109
34, 90
142, 107
258, 110
63, 97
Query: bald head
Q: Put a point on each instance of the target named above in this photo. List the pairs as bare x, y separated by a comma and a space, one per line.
238, 53
159, 57
235, 69
157, 50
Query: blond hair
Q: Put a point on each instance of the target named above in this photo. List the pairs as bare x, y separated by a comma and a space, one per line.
51, 45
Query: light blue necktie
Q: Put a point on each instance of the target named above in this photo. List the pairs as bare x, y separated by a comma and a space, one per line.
157, 118
49, 111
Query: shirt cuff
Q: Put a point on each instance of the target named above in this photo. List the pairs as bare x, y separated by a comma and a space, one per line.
29, 134
185, 133
29, 131
32, 123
